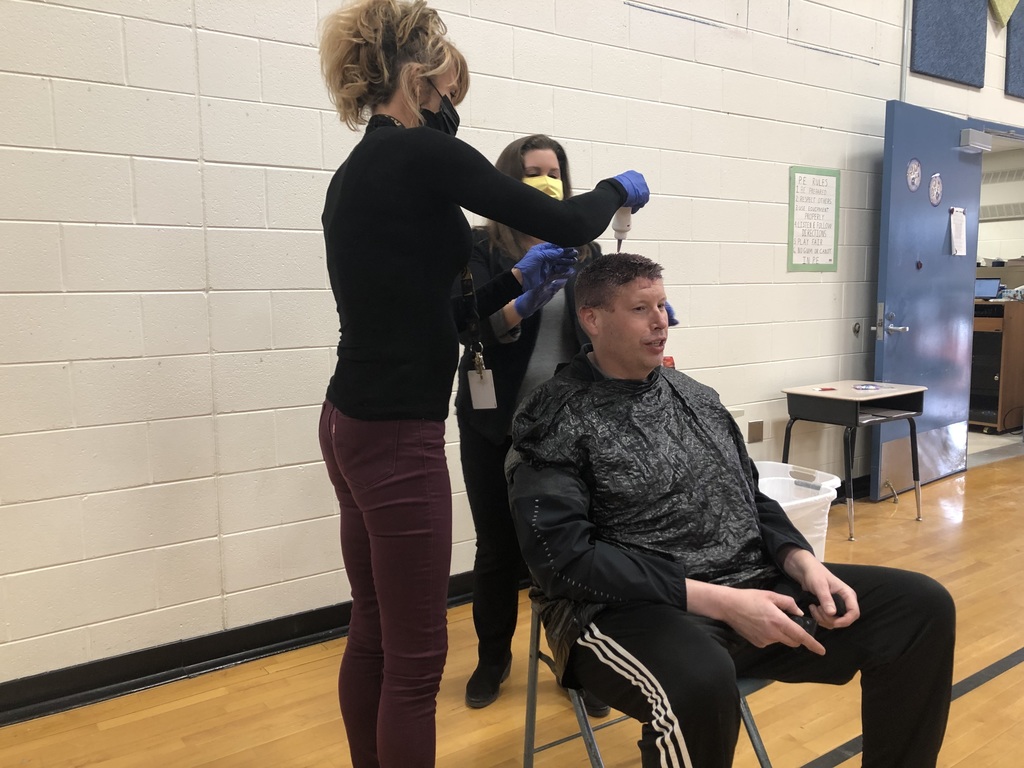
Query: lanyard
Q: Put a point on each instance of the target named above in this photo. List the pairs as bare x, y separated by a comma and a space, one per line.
472, 320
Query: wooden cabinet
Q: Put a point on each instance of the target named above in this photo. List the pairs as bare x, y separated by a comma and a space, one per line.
997, 365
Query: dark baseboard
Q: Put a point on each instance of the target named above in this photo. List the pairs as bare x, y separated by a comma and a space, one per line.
63, 689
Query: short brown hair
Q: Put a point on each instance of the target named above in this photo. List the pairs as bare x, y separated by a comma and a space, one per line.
372, 48
599, 279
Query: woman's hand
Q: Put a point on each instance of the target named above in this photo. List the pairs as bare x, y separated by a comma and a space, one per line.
541, 261
536, 298
637, 193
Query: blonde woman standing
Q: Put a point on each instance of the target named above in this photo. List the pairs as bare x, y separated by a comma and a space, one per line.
395, 240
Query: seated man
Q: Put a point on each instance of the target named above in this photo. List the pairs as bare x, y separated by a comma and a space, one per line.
665, 573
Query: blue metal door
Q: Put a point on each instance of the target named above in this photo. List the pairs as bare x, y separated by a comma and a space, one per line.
925, 306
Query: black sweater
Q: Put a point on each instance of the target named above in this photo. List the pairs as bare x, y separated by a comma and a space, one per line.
507, 359
396, 239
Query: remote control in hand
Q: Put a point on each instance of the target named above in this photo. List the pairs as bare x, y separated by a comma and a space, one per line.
806, 621
840, 605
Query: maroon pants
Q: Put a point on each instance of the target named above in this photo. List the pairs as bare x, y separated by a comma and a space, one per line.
391, 478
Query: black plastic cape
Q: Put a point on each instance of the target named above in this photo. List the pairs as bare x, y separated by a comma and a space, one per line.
621, 490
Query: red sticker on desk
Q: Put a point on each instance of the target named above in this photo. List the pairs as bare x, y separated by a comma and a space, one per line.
824, 389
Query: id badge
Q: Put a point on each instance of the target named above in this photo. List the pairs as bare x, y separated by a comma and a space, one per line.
481, 390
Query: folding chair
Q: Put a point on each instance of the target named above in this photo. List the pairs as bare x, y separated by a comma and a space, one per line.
746, 687
586, 731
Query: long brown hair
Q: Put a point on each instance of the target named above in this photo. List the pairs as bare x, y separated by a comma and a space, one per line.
510, 162
372, 48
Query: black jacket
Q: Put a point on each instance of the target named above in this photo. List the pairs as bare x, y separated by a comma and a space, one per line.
621, 490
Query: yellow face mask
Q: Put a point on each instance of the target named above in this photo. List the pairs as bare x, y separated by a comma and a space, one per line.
546, 184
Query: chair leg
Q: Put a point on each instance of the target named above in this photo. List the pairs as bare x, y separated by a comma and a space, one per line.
530, 739
754, 734
586, 731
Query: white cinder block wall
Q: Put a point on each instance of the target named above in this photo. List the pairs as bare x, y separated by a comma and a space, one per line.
167, 328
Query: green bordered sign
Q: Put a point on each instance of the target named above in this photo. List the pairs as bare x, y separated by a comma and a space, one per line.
813, 219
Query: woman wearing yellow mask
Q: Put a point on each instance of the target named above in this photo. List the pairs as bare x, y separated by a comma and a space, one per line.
523, 343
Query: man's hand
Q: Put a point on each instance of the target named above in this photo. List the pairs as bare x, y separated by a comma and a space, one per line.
763, 618
815, 578
759, 616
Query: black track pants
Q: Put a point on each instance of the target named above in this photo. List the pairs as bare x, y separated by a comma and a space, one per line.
659, 665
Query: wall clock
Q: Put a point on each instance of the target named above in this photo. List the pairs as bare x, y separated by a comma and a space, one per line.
913, 174
935, 189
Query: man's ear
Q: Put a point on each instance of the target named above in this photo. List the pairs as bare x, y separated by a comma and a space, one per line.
588, 320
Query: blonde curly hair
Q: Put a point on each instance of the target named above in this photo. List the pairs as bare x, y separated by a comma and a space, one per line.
372, 48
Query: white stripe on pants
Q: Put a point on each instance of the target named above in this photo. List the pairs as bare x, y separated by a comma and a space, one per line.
670, 741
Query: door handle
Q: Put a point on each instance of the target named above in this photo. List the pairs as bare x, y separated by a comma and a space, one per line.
897, 329
880, 322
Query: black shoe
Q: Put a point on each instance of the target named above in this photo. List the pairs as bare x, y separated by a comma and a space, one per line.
484, 684
594, 706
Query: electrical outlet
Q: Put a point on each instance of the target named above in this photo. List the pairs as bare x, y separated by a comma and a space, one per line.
755, 431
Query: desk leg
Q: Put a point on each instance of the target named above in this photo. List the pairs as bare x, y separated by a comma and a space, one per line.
914, 466
785, 442
848, 443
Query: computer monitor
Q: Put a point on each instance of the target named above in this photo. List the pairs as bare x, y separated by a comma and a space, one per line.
986, 287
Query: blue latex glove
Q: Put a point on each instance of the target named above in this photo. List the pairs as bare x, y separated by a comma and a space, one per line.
537, 297
544, 260
671, 315
637, 193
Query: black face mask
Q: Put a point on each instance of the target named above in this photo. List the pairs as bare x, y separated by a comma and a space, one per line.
446, 119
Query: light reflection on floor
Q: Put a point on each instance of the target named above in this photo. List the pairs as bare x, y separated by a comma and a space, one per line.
951, 504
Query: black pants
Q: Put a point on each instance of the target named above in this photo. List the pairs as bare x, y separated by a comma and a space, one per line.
663, 667
498, 568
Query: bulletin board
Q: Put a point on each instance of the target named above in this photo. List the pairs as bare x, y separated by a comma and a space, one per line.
948, 40
1015, 54
813, 219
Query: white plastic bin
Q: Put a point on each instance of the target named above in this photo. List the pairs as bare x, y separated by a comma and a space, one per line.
778, 469
805, 495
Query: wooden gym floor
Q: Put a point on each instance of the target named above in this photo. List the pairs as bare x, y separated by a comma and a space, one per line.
281, 712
